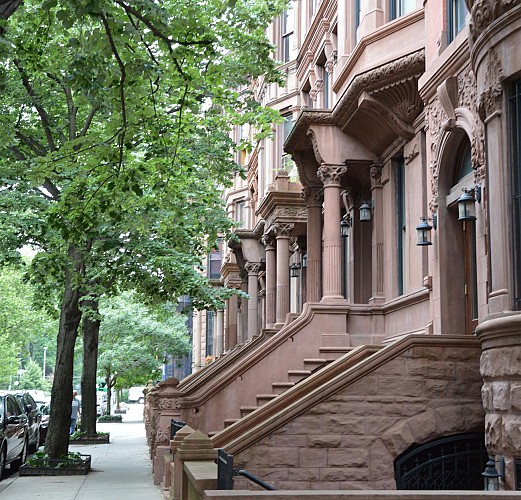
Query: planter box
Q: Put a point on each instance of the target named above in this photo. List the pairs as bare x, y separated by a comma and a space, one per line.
99, 439
59, 467
113, 419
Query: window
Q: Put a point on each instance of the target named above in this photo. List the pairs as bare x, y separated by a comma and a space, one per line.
515, 169
357, 17
399, 171
399, 8
215, 261
240, 213
287, 34
457, 12
209, 332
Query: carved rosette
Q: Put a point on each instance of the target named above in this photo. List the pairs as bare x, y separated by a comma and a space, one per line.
253, 268
330, 175
283, 229
313, 196
484, 12
166, 404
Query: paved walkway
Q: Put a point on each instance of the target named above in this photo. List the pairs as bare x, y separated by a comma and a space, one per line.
120, 470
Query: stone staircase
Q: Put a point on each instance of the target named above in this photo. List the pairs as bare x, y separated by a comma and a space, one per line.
311, 366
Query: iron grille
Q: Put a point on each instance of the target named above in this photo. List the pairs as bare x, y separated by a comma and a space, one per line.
453, 463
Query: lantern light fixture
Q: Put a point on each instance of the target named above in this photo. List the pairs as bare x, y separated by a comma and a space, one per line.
423, 230
491, 476
294, 270
365, 210
467, 205
304, 261
345, 224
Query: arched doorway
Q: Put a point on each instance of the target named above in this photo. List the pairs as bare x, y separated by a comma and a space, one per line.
451, 463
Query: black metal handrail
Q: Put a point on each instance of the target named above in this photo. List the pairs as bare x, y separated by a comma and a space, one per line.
225, 473
175, 425
255, 479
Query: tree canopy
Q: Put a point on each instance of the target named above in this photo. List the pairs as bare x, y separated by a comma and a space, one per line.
115, 128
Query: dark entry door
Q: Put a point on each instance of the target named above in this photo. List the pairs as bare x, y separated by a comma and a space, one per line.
452, 463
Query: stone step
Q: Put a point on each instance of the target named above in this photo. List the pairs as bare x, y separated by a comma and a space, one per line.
246, 410
313, 364
230, 421
332, 353
280, 387
265, 398
297, 375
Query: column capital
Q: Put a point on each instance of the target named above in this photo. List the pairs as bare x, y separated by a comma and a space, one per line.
330, 175
312, 195
268, 240
253, 268
283, 229
243, 273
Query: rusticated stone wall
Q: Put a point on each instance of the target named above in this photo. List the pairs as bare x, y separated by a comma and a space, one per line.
350, 440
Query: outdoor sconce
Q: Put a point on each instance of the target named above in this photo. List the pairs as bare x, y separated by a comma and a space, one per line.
304, 261
467, 203
293, 270
491, 476
345, 224
365, 210
423, 230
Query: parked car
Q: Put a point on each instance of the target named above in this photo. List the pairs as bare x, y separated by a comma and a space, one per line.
34, 416
136, 394
14, 433
46, 413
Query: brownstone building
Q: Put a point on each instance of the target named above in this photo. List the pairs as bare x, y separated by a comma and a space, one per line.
380, 246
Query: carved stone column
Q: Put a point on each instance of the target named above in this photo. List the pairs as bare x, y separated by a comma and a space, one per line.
242, 312
271, 279
219, 333
313, 197
377, 291
282, 231
332, 258
231, 311
253, 269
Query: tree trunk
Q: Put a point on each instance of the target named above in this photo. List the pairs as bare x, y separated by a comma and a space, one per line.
109, 381
57, 442
90, 329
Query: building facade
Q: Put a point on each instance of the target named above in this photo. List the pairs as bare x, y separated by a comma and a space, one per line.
394, 305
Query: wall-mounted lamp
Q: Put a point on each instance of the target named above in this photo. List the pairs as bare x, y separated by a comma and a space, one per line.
293, 270
467, 203
304, 261
365, 210
423, 230
345, 224
491, 476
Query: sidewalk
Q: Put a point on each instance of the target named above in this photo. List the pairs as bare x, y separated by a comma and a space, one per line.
120, 470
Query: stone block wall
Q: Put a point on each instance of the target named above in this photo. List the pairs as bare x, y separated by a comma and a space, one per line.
351, 439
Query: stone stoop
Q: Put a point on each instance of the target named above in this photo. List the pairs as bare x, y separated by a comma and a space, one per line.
343, 426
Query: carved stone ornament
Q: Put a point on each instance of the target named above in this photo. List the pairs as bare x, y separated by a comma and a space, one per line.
166, 404
491, 99
253, 267
268, 240
351, 197
375, 172
413, 152
330, 175
484, 12
282, 229
313, 196
243, 273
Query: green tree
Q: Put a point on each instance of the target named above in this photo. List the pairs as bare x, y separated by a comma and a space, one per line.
115, 139
32, 378
134, 342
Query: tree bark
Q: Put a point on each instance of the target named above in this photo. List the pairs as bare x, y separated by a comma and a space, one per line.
90, 329
57, 442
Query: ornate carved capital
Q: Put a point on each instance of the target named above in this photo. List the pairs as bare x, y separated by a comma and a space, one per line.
313, 196
350, 197
268, 240
492, 98
243, 273
375, 172
330, 175
283, 229
484, 12
253, 268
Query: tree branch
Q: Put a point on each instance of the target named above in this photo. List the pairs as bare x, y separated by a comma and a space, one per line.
44, 117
